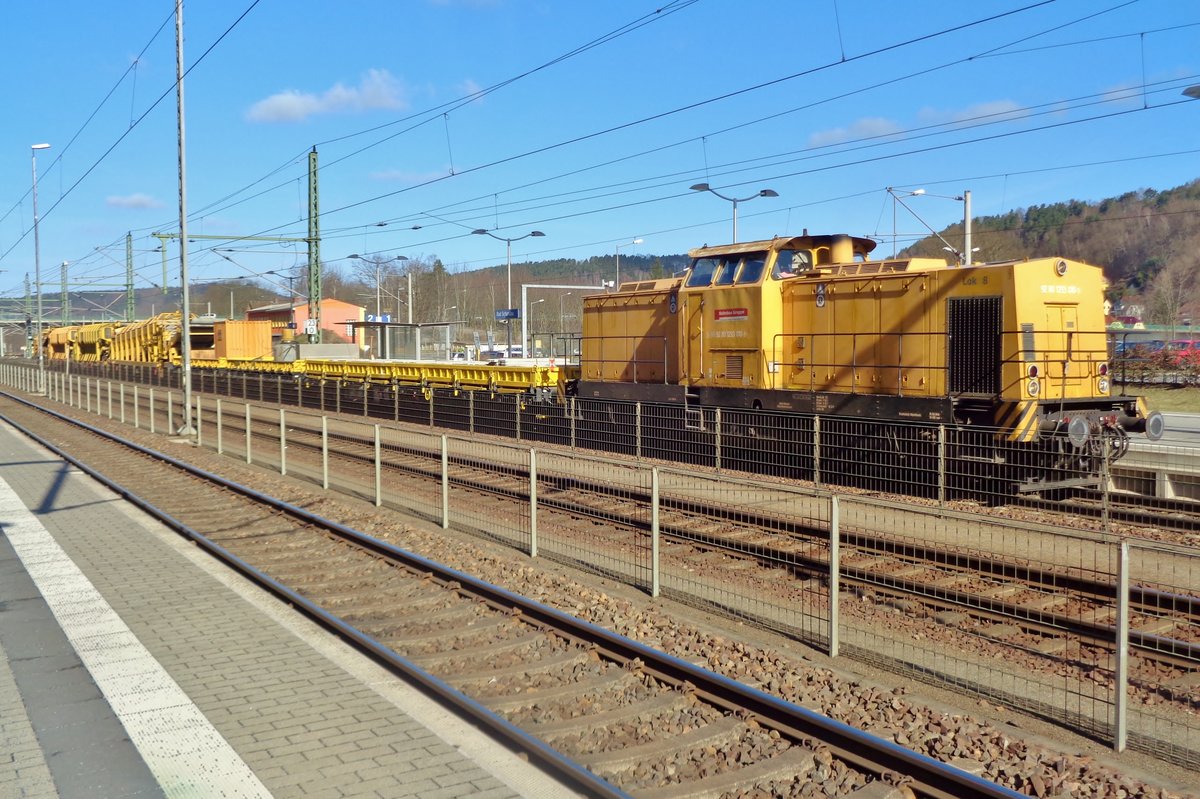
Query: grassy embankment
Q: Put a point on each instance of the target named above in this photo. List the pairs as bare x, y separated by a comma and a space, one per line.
1168, 399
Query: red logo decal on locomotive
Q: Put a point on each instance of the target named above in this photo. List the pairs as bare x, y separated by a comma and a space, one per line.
723, 314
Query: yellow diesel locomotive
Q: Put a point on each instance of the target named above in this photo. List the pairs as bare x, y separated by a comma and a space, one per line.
1015, 352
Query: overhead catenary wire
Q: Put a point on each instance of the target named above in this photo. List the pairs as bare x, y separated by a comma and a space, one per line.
411, 188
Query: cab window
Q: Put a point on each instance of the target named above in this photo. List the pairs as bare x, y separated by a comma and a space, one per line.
789, 263
702, 272
752, 268
727, 271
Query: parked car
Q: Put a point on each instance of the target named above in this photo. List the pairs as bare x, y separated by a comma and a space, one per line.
1184, 352
1137, 350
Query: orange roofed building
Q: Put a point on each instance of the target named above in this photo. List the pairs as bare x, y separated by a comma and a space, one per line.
291, 317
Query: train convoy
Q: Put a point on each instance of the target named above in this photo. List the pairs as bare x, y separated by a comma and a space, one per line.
1011, 357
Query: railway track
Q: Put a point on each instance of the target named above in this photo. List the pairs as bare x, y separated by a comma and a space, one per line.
1174, 514
565, 691
1034, 609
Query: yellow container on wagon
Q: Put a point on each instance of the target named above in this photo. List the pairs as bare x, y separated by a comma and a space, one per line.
236, 340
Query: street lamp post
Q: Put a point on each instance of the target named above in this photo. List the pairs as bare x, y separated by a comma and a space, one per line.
379, 280
562, 328
735, 201
37, 275
617, 282
508, 264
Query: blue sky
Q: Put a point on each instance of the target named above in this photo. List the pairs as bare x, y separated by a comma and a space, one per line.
588, 121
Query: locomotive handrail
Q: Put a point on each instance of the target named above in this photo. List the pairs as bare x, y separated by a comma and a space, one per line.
633, 362
1047, 360
779, 346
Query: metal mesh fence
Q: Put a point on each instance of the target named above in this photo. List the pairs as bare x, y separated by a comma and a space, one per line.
481, 469
755, 551
595, 513
1030, 616
1164, 642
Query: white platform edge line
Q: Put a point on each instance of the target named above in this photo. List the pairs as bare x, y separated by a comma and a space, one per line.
162, 723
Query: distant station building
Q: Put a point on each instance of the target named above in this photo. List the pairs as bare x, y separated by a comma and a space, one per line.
287, 318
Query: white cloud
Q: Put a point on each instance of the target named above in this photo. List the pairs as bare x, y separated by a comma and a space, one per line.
991, 111
377, 89
133, 201
860, 129
469, 88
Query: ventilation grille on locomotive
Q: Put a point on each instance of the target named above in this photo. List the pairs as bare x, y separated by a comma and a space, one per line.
974, 345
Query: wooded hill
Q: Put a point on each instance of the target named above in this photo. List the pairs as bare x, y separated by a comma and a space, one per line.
1147, 242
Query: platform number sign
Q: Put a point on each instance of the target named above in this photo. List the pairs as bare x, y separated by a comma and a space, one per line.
820, 295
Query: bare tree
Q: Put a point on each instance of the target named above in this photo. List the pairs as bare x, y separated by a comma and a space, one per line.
1174, 289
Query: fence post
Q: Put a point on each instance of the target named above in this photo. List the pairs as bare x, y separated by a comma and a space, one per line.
170, 409
122, 403
445, 483
199, 425
136, 414
378, 471
366, 388
1105, 488
637, 431
431, 417
517, 413
533, 547
470, 411
941, 465
220, 430
325, 452
717, 429
835, 574
817, 450
655, 584
1121, 653
573, 407
282, 441
248, 434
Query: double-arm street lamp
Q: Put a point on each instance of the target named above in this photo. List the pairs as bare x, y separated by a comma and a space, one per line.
379, 281
508, 264
735, 201
37, 274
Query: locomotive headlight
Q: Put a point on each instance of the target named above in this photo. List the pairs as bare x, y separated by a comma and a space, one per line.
1102, 385
1033, 387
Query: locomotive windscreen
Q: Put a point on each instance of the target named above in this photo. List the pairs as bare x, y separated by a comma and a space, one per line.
973, 328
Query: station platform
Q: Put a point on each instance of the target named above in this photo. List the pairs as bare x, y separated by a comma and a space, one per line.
132, 665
